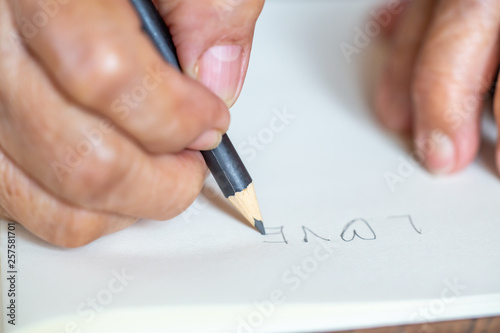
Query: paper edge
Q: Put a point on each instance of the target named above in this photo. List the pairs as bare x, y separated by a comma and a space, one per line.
288, 317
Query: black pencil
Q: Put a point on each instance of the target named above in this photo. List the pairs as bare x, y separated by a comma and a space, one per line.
224, 163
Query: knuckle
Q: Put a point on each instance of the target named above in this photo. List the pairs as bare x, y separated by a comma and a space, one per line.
97, 175
97, 73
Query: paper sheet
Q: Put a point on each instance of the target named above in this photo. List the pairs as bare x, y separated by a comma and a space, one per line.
346, 248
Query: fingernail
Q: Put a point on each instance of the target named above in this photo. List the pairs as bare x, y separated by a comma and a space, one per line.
439, 152
220, 71
207, 141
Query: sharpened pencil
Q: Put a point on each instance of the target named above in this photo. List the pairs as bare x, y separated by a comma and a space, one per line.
224, 162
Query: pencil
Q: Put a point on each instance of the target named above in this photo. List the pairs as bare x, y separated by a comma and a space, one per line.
224, 163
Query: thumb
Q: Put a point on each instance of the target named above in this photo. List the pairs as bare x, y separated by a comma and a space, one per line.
213, 40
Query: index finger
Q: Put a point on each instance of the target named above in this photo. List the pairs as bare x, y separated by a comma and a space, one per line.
98, 55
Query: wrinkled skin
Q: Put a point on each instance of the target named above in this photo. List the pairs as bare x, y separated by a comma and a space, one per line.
78, 162
444, 58
63, 81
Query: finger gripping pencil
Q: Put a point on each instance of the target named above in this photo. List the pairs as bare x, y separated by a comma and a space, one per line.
224, 163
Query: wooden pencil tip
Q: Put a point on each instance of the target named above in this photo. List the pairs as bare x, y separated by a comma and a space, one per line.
260, 226
246, 203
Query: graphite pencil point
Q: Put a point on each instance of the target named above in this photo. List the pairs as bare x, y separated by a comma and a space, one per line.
260, 226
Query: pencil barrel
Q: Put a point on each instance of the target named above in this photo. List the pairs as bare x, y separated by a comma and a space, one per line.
227, 168
224, 162
156, 28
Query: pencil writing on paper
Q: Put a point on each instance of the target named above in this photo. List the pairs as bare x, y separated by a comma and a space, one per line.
356, 229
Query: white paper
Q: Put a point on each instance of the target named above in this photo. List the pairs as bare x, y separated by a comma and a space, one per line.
319, 160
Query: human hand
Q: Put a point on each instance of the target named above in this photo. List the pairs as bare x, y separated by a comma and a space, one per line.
95, 128
444, 58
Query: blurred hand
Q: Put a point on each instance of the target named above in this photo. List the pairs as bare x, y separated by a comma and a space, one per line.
95, 129
444, 58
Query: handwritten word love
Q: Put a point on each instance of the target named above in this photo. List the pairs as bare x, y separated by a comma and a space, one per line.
356, 229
